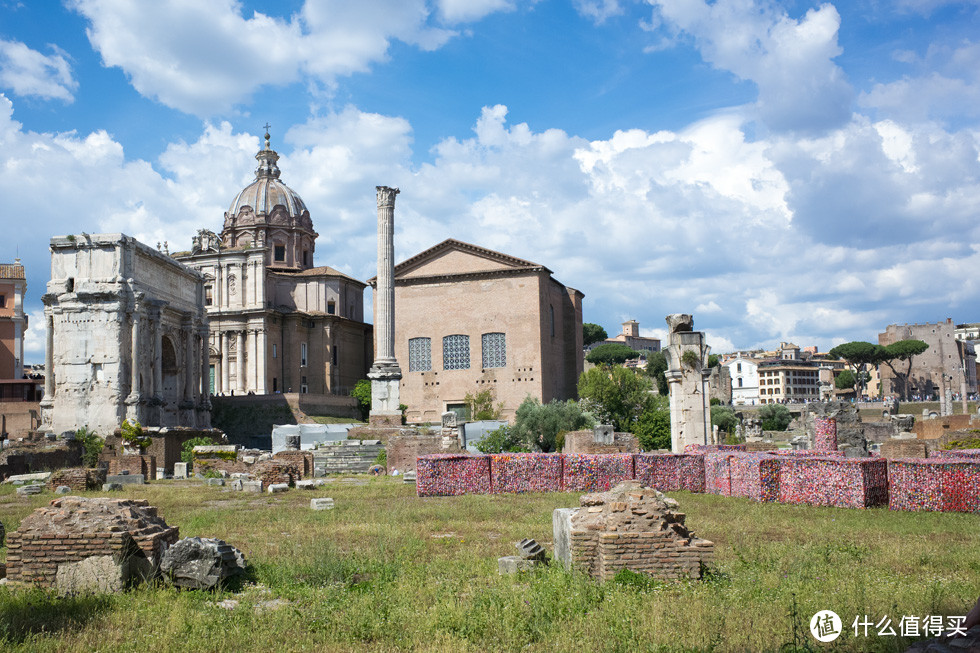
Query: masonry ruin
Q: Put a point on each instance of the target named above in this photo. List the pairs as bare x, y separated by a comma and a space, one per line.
629, 527
687, 372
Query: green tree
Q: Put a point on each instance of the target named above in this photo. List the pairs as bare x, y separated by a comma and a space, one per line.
362, 392
539, 426
592, 333
502, 440
615, 395
903, 350
724, 418
652, 427
657, 370
481, 407
611, 353
187, 450
713, 360
846, 380
92, 444
859, 355
775, 417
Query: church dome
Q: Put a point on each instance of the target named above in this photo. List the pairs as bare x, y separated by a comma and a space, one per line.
267, 192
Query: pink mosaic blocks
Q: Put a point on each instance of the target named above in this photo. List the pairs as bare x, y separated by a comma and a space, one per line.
831, 481
452, 475
595, 472
957, 453
668, 472
934, 484
526, 472
717, 473
825, 438
755, 476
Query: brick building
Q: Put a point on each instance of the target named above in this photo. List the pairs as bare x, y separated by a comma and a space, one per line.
469, 319
13, 321
947, 355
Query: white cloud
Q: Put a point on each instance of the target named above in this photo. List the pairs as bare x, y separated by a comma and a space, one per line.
205, 58
790, 61
27, 72
598, 11
35, 337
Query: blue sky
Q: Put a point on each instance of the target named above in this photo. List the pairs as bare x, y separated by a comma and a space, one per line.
783, 170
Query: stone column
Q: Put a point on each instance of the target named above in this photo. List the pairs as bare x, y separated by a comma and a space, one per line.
49, 356
686, 374
157, 354
224, 341
205, 366
385, 374
134, 334
189, 362
261, 359
240, 363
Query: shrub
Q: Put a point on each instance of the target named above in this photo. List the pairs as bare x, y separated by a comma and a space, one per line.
362, 392
187, 451
501, 440
724, 418
92, 444
775, 417
652, 428
611, 353
132, 434
481, 405
537, 425
616, 395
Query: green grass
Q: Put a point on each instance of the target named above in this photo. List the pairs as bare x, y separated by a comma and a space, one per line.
387, 571
329, 419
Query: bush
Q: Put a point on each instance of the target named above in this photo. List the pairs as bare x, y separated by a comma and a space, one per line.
537, 425
611, 353
187, 451
616, 395
502, 440
92, 443
132, 434
724, 418
481, 405
652, 429
775, 417
362, 392
656, 369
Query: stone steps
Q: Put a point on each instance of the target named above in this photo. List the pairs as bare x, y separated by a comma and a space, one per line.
345, 458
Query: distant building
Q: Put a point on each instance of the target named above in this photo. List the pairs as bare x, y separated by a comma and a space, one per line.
469, 319
949, 362
630, 336
744, 373
13, 320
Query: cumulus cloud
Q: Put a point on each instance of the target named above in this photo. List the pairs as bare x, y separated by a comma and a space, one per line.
598, 11
206, 57
27, 72
790, 61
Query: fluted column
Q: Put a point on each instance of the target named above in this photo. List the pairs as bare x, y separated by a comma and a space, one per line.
224, 340
49, 356
157, 354
205, 365
384, 327
261, 360
189, 362
240, 363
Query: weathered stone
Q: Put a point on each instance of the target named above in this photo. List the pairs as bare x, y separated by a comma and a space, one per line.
101, 574
603, 434
292, 442
20, 479
201, 563
561, 521
687, 370
531, 550
514, 564
305, 485
126, 479
62, 489
251, 486
249, 460
278, 487
180, 470
110, 487
409, 477
236, 485
27, 490
321, 504
214, 481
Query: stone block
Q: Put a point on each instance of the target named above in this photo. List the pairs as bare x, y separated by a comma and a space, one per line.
249, 460
409, 477
180, 470
514, 564
62, 489
110, 487
99, 574
27, 490
236, 485
531, 550
561, 521
603, 434
126, 479
201, 563
21, 479
251, 486
305, 485
214, 481
215, 449
321, 504
278, 487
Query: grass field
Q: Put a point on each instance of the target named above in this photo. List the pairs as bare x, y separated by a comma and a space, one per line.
387, 571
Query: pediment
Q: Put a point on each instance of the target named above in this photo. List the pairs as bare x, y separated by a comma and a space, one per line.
453, 257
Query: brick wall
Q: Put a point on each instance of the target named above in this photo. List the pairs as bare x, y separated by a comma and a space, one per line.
928, 429
892, 449
145, 465
79, 479
402, 451
275, 471
302, 460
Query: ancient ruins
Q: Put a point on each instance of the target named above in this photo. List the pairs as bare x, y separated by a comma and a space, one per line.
687, 373
385, 374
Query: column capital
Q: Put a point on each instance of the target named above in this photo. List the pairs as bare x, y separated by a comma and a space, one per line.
386, 196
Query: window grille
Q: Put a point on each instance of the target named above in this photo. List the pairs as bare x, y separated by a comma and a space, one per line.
456, 353
494, 350
419, 355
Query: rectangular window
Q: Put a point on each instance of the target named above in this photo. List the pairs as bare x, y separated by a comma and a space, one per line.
208, 295
302, 355
335, 354
331, 307
3, 301
275, 351
494, 350
280, 252
738, 367
456, 352
419, 354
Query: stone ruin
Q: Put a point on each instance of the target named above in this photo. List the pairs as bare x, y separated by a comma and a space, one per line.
201, 563
78, 544
687, 373
850, 430
629, 527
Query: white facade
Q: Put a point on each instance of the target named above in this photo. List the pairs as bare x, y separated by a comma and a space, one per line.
126, 337
745, 380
